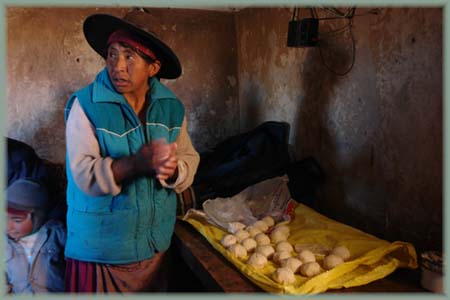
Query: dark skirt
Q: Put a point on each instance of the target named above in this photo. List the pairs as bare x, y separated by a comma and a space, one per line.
144, 276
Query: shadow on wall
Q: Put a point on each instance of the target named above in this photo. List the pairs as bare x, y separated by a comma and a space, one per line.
313, 138
371, 184
253, 106
43, 136
349, 195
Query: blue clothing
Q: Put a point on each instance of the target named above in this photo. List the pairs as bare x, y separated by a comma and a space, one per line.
139, 221
46, 271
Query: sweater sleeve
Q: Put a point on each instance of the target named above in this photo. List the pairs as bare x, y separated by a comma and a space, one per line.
91, 172
188, 160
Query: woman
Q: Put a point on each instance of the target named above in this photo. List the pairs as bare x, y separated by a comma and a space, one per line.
128, 151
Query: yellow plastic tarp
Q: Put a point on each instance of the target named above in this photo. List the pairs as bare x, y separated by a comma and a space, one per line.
371, 257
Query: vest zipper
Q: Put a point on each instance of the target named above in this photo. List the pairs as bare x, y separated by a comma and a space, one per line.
151, 181
146, 137
137, 122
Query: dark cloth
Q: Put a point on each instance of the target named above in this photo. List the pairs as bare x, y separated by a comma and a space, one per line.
305, 178
241, 161
149, 275
24, 162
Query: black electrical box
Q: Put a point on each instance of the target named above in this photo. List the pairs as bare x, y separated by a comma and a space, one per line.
303, 33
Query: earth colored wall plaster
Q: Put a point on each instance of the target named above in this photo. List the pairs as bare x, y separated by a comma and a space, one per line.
49, 59
377, 131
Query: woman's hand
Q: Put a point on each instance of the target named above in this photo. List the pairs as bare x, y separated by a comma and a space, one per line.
155, 158
158, 157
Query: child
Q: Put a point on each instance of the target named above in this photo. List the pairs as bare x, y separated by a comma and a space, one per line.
35, 249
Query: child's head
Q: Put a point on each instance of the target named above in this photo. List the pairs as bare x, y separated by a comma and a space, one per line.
27, 204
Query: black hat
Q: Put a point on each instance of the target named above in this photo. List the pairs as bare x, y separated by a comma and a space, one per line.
97, 29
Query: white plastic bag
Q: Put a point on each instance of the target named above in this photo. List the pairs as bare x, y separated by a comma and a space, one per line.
266, 198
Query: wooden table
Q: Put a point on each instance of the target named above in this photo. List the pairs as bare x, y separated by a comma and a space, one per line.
217, 274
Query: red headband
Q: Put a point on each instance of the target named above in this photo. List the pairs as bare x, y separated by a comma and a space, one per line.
18, 211
130, 39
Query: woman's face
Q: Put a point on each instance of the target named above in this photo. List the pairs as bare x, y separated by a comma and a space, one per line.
128, 71
19, 225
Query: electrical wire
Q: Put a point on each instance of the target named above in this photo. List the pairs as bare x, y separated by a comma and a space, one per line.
336, 31
374, 11
350, 21
313, 13
295, 14
338, 13
348, 14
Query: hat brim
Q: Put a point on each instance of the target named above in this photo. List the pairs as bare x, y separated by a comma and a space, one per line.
19, 208
97, 29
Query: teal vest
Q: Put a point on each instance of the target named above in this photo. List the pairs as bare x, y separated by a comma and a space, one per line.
131, 226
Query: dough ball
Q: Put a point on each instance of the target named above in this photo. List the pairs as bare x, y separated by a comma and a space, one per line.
317, 249
268, 220
331, 261
241, 235
262, 239
228, 240
306, 256
266, 250
277, 236
234, 227
238, 251
284, 246
341, 251
291, 263
283, 228
253, 231
310, 269
257, 260
284, 276
299, 247
279, 256
261, 225
249, 244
